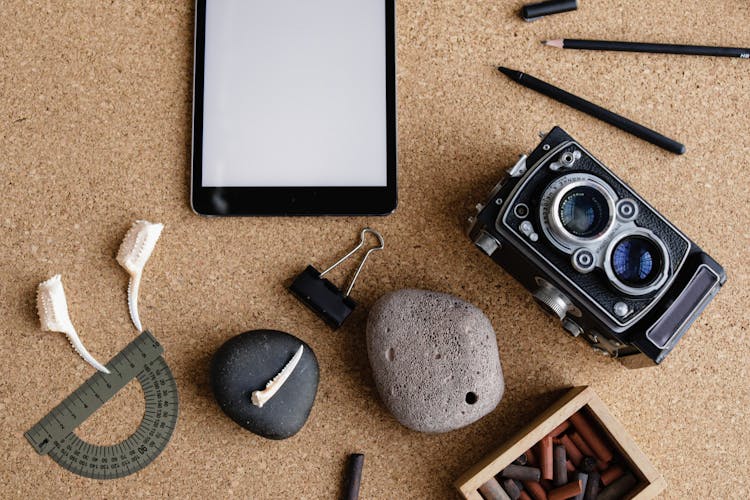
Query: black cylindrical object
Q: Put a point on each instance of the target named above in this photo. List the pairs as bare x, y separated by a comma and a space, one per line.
592, 487
619, 489
596, 111
657, 48
560, 470
353, 476
584, 479
535, 10
522, 473
512, 489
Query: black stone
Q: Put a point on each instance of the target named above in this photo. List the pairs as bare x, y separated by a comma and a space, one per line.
247, 362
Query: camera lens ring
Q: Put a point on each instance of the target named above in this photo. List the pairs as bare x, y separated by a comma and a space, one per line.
605, 198
660, 273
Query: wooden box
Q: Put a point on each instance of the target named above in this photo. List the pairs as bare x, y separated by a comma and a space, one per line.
650, 484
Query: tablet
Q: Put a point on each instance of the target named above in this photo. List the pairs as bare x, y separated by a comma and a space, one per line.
294, 107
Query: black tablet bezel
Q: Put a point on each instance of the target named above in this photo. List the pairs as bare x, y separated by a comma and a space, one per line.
239, 201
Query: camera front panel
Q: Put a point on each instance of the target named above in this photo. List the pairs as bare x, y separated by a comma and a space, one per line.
603, 239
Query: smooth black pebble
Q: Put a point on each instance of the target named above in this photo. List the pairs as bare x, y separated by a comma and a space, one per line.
246, 363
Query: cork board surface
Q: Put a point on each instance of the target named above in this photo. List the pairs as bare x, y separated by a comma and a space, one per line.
95, 133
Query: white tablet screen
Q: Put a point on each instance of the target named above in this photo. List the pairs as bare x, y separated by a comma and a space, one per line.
294, 93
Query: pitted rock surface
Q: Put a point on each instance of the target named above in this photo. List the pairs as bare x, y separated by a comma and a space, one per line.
434, 359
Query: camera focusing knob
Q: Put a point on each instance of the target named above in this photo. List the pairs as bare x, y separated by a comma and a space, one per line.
583, 261
552, 300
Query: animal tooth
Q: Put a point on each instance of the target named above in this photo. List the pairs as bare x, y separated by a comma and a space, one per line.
134, 252
53, 315
259, 398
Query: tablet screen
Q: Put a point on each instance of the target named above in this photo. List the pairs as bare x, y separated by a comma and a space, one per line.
294, 93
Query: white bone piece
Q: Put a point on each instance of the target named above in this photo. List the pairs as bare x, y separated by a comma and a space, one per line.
134, 252
53, 314
259, 398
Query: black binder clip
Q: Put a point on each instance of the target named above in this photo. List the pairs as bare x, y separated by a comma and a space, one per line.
325, 298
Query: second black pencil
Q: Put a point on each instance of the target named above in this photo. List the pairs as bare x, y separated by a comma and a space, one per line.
594, 110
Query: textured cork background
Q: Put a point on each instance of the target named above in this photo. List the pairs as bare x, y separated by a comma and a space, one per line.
95, 120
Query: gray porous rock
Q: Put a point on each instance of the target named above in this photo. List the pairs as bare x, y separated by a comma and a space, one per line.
434, 359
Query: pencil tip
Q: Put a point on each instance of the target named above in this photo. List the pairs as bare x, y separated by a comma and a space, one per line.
510, 73
554, 43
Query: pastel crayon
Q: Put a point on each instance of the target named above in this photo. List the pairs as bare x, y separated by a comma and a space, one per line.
567, 491
612, 474
592, 438
545, 457
560, 469
522, 473
491, 490
535, 490
619, 488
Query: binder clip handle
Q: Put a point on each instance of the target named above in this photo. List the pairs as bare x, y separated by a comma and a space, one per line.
362, 239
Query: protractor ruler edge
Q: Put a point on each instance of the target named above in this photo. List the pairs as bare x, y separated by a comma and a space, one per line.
54, 434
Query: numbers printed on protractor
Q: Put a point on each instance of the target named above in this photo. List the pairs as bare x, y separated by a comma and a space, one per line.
54, 435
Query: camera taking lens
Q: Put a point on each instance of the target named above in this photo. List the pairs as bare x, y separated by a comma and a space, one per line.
583, 212
579, 210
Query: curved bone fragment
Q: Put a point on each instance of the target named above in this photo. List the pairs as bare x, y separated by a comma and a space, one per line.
53, 314
134, 252
259, 398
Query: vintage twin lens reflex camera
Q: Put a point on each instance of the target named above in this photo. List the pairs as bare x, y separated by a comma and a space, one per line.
594, 254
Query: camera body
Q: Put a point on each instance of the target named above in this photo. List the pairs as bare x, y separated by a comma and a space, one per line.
594, 254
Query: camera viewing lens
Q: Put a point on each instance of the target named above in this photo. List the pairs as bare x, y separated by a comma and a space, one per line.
637, 261
584, 212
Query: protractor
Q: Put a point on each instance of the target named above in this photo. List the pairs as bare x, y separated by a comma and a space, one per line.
54, 434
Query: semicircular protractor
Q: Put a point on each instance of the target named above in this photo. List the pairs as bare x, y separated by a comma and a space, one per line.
54, 434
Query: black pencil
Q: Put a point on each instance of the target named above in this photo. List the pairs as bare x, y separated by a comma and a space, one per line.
596, 111
655, 48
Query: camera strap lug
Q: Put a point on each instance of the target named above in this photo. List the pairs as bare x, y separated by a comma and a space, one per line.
519, 168
486, 242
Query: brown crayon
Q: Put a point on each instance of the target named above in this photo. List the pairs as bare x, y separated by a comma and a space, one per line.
612, 474
567, 491
545, 457
491, 490
524, 496
585, 450
535, 490
574, 454
569, 465
591, 437
560, 470
522, 473
559, 429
